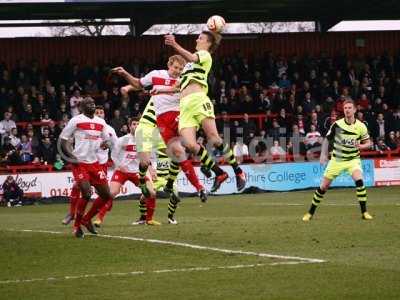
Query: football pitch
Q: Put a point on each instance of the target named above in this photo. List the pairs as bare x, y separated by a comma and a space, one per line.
232, 247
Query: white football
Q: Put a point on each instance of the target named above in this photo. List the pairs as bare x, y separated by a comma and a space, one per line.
216, 23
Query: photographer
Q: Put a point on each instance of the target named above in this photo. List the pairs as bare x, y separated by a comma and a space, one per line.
12, 193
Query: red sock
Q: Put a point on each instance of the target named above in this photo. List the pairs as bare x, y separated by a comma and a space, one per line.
150, 205
96, 206
107, 207
75, 194
188, 169
80, 211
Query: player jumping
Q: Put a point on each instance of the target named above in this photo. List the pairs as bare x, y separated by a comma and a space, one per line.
196, 108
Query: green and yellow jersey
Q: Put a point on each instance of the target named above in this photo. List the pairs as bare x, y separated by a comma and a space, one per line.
197, 71
149, 114
344, 137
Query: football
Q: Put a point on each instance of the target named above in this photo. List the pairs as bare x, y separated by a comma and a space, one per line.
216, 23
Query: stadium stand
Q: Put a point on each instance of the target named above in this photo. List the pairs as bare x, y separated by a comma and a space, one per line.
268, 95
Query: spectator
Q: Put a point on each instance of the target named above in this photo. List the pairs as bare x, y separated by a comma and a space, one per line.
28, 115
381, 146
14, 139
52, 101
125, 110
136, 111
301, 124
291, 105
33, 139
276, 131
261, 153
284, 82
123, 131
363, 102
54, 131
240, 150
39, 106
397, 138
223, 124
91, 87
276, 149
312, 138
381, 127
75, 102
12, 193
248, 126
26, 152
45, 118
297, 141
117, 121
7, 124
221, 91
391, 141
47, 151
308, 103
62, 112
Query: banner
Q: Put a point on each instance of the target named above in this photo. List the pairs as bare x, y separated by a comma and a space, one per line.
267, 177
279, 177
387, 172
55, 184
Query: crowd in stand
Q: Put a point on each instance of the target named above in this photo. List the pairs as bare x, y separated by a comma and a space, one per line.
294, 97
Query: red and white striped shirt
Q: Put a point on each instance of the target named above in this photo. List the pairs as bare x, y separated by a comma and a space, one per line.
124, 154
88, 133
162, 102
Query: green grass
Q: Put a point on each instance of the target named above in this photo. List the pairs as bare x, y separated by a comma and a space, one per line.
362, 257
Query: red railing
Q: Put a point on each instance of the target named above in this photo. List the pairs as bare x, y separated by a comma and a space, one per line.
14, 169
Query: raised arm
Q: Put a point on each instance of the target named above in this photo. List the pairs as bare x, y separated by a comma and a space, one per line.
190, 57
133, 81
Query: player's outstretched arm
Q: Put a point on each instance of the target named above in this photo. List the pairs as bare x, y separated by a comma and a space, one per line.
170, 41
133, 81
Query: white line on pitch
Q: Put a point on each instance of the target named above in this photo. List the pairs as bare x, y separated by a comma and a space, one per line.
323, 204
133, 273
198, 247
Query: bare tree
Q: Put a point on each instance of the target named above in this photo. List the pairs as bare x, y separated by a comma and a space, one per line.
82, 28
160, 29
268, 27
262, 27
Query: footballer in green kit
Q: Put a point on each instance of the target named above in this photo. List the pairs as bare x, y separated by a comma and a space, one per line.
348, 136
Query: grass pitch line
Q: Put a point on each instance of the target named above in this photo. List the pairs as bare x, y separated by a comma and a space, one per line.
308, 204
197, 247
134, 273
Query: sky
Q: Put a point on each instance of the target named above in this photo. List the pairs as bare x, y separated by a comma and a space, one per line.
12, 32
